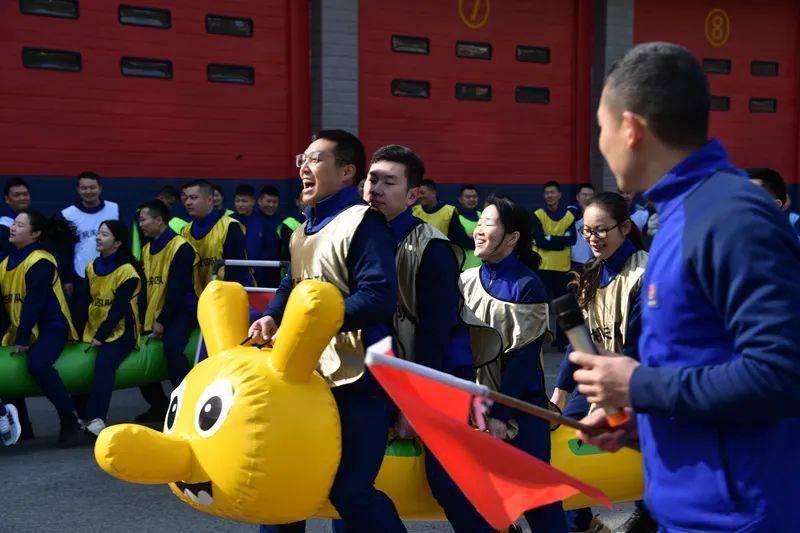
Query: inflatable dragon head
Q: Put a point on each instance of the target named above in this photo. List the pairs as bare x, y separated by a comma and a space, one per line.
250, 433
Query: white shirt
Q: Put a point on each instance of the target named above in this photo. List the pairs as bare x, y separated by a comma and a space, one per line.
87, 225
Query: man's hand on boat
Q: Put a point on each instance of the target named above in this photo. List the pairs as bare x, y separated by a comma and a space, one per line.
264, 328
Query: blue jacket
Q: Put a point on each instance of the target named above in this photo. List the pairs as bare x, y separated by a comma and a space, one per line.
442, 341
718, 391
510, 280
371, 269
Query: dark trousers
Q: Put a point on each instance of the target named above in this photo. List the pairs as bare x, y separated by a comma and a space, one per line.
556, 285
459, 511
366, 414
109, 356
40, 358
534, 439
176, 335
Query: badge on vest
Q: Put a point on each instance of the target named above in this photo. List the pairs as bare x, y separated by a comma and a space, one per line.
652, 297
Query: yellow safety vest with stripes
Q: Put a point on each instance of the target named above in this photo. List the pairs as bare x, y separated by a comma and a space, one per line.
209, 247
156, 272
102, 292
556, 260
14, 290
439, 219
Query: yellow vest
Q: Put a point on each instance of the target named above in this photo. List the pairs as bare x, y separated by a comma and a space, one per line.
102, 290
470, 261
209, 247
557, 260
517, 324
607, 313
156, 273
12, 285
438, 219
323, 256
408, 258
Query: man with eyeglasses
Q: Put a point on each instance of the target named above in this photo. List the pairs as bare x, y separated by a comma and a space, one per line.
348, 244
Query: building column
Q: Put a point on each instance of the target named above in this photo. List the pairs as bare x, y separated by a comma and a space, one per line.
334, 65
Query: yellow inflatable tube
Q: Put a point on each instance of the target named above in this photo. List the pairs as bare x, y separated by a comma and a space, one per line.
253, 434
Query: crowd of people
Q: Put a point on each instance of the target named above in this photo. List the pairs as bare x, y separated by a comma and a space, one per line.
426, 273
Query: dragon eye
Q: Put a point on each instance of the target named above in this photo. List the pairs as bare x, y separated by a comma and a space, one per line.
174, 408
212, 407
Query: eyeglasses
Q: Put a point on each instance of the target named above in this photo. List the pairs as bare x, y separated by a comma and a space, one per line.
599, 233
314, 158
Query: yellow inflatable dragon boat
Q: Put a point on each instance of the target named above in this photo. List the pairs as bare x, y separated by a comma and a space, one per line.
253, 434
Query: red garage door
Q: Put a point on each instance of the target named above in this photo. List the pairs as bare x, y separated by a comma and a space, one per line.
486, 91
749, 50
180, 88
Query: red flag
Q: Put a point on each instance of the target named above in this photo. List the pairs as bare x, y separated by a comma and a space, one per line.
501, 481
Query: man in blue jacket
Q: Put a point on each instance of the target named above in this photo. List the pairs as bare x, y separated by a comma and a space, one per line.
346, 243
717, 393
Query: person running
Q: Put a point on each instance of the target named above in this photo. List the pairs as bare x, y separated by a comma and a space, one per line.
39, 320
111, 323
426, 324
346, 243
609, 291
506, 294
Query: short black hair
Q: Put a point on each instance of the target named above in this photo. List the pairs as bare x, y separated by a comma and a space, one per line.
245, 190
429, 183
552, 183
395, 153
665, 84
88, 175
349, 149
585, 185
169, 190
14, 182
205, 186
772, 180
217, 188
467, 187
269, 190
156, 208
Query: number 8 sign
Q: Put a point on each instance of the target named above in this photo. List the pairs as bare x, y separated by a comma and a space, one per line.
718, 27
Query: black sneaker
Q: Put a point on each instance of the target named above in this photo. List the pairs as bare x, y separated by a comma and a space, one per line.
154, 415
639, 521
71, 434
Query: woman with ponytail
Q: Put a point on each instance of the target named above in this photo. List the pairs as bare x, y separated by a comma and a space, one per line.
609, 291
113, 283
39, 321
507, 295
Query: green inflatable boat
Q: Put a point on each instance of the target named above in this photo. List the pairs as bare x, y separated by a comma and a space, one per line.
76, 368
